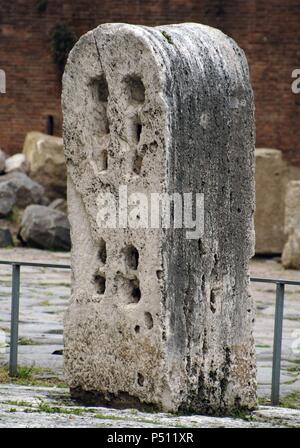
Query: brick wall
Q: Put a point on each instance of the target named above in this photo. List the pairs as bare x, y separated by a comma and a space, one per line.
268, 30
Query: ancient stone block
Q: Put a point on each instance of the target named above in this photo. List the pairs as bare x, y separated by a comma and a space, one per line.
158, 317
17, 162
2, 161
7, 199
270, 176
27, 191
46, 161
291, 251
45, 228
5, 238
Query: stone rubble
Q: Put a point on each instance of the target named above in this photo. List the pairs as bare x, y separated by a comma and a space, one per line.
45, 157
17, 162
45, 228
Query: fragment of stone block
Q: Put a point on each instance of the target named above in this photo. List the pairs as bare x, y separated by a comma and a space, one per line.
7, 199
17, 162
270, 174
157, 318
45, 156
5, 238
291, 251
45, 228
27, 191
2, 161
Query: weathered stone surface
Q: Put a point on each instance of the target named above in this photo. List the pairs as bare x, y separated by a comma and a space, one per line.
2, 161
46, 161
291, 251
271, 172
7, 198
17, 162
26, 190
164, 109
5, 238
45, 228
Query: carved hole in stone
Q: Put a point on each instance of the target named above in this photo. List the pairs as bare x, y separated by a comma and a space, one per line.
212, 301
148, 320
103, 160
136, 88
135, 130
140, 379
100, 282
137, 164
102, 255
131, 257
137, 328
102, 89
136, 292
159, 274
100, 92
139, 131
203, 284
129, 288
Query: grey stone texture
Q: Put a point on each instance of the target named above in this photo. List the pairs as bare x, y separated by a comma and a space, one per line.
26, 190
7, 199
156, 319
45, 228
5, 238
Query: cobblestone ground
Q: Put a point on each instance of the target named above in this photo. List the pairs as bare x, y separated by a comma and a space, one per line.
43, 299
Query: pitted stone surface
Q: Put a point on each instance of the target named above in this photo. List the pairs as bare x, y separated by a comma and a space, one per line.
155, 318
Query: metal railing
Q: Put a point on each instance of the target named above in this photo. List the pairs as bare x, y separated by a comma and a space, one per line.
277, 338
15, 306
277, 341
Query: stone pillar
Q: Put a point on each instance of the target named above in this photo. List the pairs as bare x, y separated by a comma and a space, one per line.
158, 317
271, 178
291, 251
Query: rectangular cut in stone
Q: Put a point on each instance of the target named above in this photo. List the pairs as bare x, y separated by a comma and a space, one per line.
155, 318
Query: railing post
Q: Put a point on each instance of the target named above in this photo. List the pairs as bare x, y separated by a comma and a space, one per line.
277, 344
14, 323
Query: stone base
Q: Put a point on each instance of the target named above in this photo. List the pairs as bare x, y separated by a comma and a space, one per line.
121, 401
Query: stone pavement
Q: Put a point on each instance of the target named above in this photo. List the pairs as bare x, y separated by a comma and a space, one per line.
27, 407
43, 299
